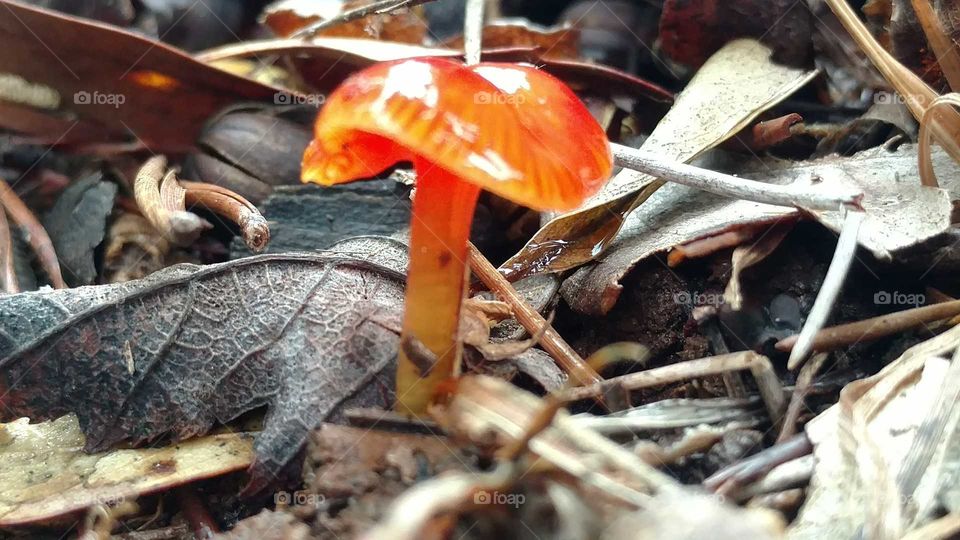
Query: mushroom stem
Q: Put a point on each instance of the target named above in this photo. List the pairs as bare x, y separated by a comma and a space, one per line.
443, 208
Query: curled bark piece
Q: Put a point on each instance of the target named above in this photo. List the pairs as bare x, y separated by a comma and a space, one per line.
223, 202
36, 234
162, 202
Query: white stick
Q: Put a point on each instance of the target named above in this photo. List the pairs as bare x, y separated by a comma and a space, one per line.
811, 197
839, 267
473, 30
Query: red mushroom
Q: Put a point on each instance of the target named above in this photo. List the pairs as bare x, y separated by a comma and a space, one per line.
506, 128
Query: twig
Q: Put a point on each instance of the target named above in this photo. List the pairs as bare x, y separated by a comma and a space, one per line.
767, 382
531, 320
844, 335
473, 31
222, 201
800, 391
8, 275
812, 197
730, 479
36, 235
374, 8
839, 267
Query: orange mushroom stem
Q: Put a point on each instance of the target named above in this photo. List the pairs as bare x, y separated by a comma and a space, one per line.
507, 128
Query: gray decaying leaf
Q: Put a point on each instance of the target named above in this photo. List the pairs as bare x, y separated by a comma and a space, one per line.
76, 225
900, 215
189, 346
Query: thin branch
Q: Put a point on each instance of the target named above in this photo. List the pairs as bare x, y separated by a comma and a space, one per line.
814, 197
221, 201
531, 320
473, 31
760, 367
823, 305
844, 335
36, 235
8, 275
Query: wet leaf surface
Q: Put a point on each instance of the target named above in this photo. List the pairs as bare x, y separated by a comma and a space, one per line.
190, 346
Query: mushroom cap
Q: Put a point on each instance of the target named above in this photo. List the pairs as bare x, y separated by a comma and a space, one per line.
510, 129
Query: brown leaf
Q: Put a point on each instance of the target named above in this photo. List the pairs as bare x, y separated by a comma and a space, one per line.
402, 25
323, 63
166, 95
299, 333
556, 42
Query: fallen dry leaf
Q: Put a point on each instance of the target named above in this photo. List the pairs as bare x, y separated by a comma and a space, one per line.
132, 86
323, 63
556, 42
862, 444
730, 91
192, 346
900, 214
402, 25
47, 475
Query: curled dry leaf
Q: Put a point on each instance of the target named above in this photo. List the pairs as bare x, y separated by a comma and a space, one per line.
730, 91
46, 474
900, 213
163, 202
192, 346
134, 249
